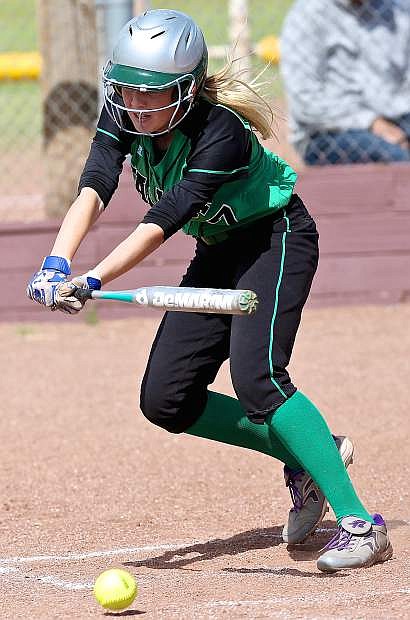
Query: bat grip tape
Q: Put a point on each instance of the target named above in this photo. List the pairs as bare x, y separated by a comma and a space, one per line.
82, 294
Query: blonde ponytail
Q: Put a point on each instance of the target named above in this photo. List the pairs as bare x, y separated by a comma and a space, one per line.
229, 87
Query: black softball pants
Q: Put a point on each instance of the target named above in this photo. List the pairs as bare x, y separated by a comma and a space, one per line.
276, 257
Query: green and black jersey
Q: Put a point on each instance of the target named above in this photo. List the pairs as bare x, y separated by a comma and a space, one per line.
215, 176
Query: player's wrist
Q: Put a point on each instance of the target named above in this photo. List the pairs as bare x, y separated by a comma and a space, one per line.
93, 279
99, 272
94, 273
57, 263
90, 280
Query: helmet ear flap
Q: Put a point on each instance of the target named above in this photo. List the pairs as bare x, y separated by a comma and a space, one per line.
117, 90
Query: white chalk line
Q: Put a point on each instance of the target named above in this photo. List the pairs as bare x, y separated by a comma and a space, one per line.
299, 599
73, 557
12, 572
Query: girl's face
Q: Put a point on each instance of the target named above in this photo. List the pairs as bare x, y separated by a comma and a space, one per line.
149, 122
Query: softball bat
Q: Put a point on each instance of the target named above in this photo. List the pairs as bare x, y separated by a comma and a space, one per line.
181, 299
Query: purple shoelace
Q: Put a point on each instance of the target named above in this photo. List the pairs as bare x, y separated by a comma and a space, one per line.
342, 539
292, 477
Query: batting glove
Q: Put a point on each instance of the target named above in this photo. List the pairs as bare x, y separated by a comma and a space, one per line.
65, 299
43, 285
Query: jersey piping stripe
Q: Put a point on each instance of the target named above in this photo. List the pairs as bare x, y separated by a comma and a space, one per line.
218, 171
244, 121
275, 310
108, 134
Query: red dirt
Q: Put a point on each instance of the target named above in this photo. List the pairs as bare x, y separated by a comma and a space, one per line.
88, 483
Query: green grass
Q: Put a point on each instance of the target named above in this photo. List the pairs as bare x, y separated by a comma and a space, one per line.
212, 16
20, 101
18, 26
18, 22
21, 118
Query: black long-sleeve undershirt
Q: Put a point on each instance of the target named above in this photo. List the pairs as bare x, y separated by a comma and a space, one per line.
220, 153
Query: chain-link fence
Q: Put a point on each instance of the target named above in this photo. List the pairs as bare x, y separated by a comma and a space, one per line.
48, 95
20, 118
345, 71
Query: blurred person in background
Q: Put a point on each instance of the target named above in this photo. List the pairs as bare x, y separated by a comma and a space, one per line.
346, 68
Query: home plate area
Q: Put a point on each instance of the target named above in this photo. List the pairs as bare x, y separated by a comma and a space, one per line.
88, 484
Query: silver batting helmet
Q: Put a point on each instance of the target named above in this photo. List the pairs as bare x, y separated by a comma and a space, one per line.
157, 50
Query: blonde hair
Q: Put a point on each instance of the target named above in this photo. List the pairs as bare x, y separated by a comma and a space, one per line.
229, 87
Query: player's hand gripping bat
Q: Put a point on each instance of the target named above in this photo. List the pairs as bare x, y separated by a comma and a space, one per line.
181, 299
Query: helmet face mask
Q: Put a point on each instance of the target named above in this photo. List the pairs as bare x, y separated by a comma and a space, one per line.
182, 98
158, 51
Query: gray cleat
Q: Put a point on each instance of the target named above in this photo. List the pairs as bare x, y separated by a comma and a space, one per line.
309, 503
357, 544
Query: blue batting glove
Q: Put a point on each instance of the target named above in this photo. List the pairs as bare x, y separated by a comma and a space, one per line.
43, 285
64, 298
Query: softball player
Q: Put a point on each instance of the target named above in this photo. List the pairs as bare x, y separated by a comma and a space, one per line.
198, 164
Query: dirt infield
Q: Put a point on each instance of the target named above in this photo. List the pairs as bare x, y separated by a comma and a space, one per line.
87, 483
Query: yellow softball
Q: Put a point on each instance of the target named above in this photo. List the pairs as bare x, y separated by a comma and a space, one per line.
115, 589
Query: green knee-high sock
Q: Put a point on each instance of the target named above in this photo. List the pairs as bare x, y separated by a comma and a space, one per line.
303, 431
224, 419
